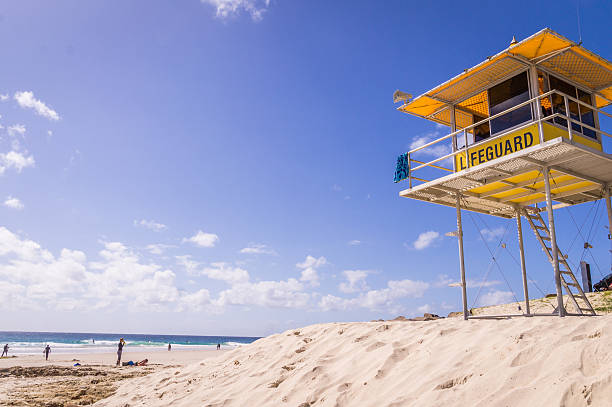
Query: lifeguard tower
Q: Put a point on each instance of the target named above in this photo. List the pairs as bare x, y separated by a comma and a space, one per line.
524, 129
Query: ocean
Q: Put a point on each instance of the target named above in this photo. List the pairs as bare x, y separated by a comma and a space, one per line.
27, 343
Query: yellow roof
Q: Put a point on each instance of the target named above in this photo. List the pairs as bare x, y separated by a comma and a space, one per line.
545, 48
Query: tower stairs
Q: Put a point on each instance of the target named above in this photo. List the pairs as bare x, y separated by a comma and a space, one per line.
568, 280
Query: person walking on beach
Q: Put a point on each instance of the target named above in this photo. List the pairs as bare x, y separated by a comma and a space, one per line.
46, 352
169, 347
218, 346
120, 350
5, 350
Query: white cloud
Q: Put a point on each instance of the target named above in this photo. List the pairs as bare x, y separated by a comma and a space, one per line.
202, 239
16, 130
119, 280
4, 98
14, 203
309, 269
424, 308
28, 101
355, 281
354, 243
425, 240
158, 248
229, 8
257, 249
492, 234
434, 151
278, 294
16, 160
495, 298
150, 224
336, 188
225, 272
375, 300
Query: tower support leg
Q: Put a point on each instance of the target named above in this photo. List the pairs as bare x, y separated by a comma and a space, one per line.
522, 253
553, 242
461, 258
609, 208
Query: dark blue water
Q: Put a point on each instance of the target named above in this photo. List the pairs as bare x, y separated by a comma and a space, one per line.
64, 342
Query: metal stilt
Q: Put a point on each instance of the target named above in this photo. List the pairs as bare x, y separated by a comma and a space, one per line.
461, 258
609, 207
553, 242
522, 253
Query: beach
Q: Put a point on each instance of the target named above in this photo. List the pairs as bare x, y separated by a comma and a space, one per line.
29, 380
535, 361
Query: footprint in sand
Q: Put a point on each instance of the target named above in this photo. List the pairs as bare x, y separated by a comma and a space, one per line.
396, 356
453, 382
344, 387
375, 346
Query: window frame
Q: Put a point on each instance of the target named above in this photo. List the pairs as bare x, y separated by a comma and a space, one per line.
548, 73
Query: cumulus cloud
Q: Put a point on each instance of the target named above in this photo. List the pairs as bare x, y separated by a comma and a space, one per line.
158, 248
309, 268
27, 101
425, 239
229, 8
355, 281
14, 203
225, 272
16, 130
257, 249
424, 308
492, 234
381, 299
277, 294
35, 278
15, 160
150, 224
434, 151
496, 297
203, 239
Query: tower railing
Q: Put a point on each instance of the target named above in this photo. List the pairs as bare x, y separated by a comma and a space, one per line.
538, 119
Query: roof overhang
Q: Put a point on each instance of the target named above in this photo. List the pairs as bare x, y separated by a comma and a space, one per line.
546, 49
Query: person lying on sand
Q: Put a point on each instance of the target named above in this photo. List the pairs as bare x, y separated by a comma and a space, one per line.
132, 363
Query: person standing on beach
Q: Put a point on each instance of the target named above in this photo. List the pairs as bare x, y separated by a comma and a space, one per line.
5, 350
120, 350
218, 346
46, 352
169, 347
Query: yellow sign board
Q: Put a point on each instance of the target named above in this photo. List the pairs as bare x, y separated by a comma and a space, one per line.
500, 147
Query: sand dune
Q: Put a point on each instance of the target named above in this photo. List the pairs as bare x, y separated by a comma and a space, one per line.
539, 361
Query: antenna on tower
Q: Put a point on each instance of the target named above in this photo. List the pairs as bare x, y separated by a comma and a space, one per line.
578, 17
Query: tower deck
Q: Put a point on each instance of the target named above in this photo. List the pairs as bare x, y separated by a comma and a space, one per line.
578, 174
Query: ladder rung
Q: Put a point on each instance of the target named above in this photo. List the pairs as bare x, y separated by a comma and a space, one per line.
572, 284
540, 227
565, 272
545, 238
586, 309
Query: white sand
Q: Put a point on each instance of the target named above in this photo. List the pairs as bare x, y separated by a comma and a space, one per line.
539, 361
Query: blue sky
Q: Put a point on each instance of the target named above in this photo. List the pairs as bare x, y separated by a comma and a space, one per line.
226, 166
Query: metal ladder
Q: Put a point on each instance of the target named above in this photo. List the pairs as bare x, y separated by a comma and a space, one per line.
568, 280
